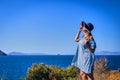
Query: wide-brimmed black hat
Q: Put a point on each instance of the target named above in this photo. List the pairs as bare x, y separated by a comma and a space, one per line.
88, 26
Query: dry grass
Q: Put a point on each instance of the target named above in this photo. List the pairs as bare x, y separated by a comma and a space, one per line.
108, 75
101, 71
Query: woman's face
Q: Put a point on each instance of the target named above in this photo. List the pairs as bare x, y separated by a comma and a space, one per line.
84, 29
87, 36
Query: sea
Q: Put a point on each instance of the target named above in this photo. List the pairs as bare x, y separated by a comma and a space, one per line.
15, 67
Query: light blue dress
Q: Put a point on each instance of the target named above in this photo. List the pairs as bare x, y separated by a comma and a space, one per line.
84, 58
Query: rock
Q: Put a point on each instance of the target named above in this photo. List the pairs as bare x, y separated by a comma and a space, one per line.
2, 53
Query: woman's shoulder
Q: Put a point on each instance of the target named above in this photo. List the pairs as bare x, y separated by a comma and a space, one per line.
92, 43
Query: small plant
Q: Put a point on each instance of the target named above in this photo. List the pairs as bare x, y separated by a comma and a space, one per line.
101, 69
38, 72
100, 65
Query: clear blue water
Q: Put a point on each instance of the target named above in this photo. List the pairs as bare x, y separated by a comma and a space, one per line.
15, 67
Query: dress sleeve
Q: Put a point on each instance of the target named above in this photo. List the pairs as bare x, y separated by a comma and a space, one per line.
92, 44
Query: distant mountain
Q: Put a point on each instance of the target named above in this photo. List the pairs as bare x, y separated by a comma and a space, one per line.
2, 53
20, 53
107, 53
16, 53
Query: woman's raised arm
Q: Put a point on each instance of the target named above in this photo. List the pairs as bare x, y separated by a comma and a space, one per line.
77, 36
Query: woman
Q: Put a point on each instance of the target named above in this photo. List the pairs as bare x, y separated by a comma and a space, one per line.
84, 58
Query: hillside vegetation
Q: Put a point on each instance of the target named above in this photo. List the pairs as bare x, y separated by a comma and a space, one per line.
45, 72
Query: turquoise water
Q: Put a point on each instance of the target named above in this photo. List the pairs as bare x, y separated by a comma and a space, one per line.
15, 67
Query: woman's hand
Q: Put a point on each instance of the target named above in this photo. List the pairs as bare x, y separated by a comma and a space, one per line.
86, 44
81, 28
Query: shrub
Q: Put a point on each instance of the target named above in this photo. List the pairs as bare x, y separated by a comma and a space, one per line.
100, 65
38, 72
44, 72
100, 68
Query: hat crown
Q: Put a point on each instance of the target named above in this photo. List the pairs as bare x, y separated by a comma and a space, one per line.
90, 26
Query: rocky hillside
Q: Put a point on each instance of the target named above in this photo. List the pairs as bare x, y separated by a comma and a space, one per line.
2, 53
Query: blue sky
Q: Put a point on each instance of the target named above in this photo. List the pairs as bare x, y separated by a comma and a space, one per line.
49, 26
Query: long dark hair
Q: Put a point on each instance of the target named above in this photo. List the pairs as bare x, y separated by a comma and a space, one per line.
90, 35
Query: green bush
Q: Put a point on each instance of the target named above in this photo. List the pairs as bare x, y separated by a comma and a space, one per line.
38, 72
45, 72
